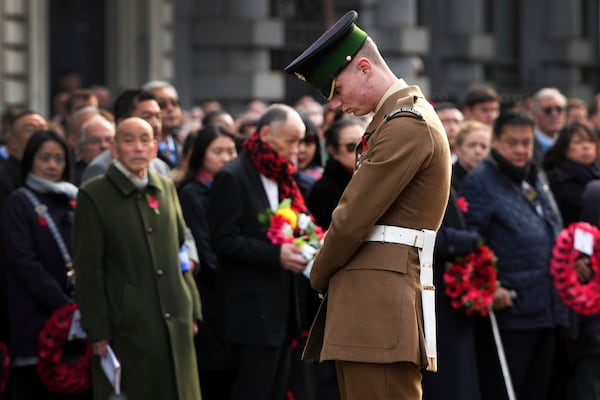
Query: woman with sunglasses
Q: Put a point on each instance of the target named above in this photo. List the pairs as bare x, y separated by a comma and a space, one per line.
341, 139
310, 167
36, 230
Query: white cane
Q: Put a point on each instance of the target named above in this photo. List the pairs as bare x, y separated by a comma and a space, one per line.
501, 356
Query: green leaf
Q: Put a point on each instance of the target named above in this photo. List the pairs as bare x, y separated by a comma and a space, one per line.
286, 203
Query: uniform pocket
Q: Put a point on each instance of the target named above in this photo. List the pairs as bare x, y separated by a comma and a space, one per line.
382, 256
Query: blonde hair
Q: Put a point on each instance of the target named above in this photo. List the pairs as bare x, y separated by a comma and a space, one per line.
468, 127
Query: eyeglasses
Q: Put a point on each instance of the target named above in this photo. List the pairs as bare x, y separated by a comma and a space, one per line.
163, 103
350, 147
548, 110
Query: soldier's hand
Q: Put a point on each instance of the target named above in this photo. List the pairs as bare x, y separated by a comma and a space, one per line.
291, 258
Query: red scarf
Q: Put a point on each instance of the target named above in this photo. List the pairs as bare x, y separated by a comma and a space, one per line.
277, 168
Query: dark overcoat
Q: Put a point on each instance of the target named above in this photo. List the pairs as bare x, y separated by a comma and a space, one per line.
130, 286
36, 276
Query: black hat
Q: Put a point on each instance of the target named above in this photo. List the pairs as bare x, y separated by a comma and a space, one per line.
328, 55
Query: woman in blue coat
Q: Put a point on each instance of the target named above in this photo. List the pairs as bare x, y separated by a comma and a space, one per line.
35, 268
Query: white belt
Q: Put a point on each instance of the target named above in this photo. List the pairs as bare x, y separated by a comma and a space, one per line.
396, 234
424, 240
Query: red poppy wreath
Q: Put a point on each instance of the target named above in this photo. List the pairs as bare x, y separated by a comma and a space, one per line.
583, 298
471, 281
56, 373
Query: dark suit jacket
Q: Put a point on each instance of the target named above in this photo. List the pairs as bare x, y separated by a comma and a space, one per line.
253, 288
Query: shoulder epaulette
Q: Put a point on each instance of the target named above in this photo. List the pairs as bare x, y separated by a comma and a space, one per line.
406, 110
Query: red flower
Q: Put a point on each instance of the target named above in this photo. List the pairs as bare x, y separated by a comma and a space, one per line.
72, 203
153, 204
42, 221
462, 204
365, 145
276, 230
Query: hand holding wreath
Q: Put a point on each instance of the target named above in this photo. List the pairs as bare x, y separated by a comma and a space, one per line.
577, 286
471, 281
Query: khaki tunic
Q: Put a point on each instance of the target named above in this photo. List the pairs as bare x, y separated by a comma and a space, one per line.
130, 287
374, 301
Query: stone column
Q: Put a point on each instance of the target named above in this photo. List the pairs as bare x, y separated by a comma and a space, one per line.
23, 54
232, 42
393, 26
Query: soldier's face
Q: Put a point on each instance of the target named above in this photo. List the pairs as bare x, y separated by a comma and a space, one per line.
352, 89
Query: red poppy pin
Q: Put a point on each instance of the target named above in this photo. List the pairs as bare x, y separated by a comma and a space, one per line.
72, 203
462, 204
153, 204
42, 221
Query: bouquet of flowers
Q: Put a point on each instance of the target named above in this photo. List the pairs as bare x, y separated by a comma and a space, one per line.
471, 281
286, 225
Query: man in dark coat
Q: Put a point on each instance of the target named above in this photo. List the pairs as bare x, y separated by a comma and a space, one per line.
511, 207
254, 276
132, 291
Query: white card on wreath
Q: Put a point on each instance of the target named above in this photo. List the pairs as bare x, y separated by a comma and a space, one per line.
75, 330
583, 241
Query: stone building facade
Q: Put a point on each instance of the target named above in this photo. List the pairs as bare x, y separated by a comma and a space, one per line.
235, 50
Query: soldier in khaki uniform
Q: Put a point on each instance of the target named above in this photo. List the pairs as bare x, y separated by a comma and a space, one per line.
375, 261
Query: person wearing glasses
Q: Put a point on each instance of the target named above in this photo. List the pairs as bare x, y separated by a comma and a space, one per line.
373, 323
169, 145
341, 139
548, 111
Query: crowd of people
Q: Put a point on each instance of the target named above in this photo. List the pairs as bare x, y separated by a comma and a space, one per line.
154, 210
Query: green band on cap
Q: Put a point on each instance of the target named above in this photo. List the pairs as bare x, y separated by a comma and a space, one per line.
338, 59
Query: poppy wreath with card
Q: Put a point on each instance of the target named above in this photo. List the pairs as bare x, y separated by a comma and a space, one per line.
581, 297
58, 374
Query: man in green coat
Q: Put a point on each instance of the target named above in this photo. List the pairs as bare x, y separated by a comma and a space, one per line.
132, 291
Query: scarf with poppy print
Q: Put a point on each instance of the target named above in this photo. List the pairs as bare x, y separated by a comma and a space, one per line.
277, 168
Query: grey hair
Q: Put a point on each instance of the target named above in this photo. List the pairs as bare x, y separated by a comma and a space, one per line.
544, 93
157, 84
96, 119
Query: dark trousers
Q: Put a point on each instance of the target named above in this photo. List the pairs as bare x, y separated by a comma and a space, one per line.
321, 380
585, 380
530, 358
262, 372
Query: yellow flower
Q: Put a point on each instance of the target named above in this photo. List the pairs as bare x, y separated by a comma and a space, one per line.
289, 215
